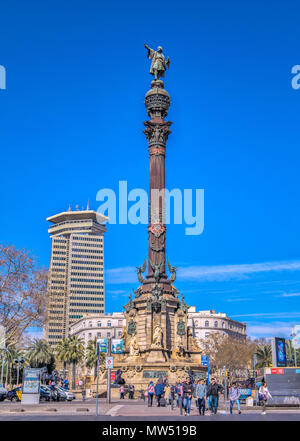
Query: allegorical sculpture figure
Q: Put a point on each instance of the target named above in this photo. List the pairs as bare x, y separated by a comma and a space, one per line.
157, 337
159, 63
134, 347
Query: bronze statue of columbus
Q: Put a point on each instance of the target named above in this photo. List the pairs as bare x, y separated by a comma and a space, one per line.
159, 63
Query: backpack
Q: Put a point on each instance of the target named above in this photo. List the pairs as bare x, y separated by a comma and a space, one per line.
162, 402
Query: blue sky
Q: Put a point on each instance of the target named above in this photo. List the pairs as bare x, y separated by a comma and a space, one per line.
71, 124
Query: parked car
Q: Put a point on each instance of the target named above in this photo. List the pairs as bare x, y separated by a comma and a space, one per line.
15, 394
44, 393
3, 392
61, 394
70, 395
56, 393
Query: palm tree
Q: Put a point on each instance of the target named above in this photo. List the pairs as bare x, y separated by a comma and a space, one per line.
264, 356
38, 353
61, 352
290, 354
74, 354
12, 354
91, 356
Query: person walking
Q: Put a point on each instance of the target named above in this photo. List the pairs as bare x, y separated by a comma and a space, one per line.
187, 396
263, 396
201, 391
166, 395
130, 391
213, 390
122, 392
234, 397
179, 391
172, 396
150, 393
159, 391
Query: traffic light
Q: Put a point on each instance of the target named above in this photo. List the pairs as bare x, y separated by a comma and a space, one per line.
224, 372
228, 375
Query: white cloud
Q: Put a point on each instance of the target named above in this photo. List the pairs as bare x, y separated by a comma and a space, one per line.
229, 272
121, 275
117, 291
34, 332
270, 315
276, 329
238, 299
208, 273
291, 294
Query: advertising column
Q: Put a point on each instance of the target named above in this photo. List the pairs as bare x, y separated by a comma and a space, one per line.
31, 386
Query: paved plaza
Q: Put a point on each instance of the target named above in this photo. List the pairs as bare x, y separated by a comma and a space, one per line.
132, 410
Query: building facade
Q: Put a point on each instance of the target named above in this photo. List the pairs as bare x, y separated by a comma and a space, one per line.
202, 323
98, 326
76, 272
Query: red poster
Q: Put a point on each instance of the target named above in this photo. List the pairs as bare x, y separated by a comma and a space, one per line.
273, 371
280, 371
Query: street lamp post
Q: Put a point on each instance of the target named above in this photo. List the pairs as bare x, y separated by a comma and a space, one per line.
2, 367
254, 372
97, 388
6, 377
294, 334
109, 371
18, 362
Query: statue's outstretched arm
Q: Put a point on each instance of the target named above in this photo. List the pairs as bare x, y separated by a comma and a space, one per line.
150, 51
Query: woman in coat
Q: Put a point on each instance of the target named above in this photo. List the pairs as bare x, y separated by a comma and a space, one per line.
264, 395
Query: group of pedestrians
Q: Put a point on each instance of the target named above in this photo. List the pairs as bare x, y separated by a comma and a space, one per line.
181, 395
206, 395
131, 391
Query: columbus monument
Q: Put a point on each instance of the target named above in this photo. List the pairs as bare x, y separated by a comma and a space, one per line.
157, 339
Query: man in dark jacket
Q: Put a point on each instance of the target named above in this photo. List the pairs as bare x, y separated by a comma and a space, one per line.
159, 392
187, 394
213, 390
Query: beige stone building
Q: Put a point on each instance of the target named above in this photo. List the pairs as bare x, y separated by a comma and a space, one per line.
204, 323
100, 326
76, 272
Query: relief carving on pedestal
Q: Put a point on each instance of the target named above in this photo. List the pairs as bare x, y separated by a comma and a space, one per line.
131, 329
157, 243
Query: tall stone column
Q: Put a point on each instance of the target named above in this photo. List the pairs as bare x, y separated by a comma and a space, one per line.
157, 102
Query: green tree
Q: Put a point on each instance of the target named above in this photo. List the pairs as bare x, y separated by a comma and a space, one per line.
91, 356
264, 356
23, 291
61, 351
12, 353
290, 353
74, 354
38, 353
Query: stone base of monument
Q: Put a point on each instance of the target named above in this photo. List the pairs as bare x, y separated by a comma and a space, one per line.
140, 373
156, 355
